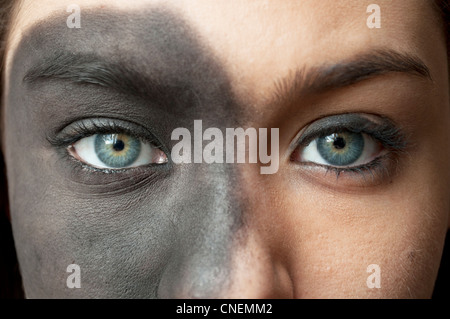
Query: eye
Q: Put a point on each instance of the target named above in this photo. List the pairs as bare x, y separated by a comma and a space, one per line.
116, 151
352, 145
342, 149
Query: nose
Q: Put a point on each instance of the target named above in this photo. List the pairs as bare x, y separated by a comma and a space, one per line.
220, 255
256, 272
248, 271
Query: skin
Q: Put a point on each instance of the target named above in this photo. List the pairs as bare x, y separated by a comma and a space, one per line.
225, 230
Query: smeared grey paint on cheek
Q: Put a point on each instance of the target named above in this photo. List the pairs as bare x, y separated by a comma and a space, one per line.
172, 235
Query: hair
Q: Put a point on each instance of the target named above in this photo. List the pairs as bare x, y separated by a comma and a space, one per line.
443, 7
10, 279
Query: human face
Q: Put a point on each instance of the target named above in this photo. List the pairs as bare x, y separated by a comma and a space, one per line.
225, 230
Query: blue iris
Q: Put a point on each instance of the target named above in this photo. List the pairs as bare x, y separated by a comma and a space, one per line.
341, 149
117, 150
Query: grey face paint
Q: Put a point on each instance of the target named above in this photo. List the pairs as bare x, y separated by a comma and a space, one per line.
165, 231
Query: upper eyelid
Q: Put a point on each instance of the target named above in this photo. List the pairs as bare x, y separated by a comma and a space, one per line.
385, 131
308, 138
91, 126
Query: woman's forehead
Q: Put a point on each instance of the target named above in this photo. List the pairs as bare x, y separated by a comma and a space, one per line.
259, 42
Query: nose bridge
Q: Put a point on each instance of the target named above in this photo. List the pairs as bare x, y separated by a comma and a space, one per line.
259, 263
206, 221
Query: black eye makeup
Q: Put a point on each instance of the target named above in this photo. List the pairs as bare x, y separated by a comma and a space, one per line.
362, 144
109, 145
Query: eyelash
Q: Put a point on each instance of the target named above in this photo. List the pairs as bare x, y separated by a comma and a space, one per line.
373, 168
388, 136
81, 130
88, 127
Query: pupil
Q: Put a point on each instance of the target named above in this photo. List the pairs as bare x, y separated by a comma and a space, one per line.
119, 145
339, 143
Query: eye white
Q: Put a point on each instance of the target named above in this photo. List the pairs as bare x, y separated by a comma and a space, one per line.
371, 151
84, 151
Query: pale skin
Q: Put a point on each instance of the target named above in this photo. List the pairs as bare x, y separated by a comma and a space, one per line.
304, 233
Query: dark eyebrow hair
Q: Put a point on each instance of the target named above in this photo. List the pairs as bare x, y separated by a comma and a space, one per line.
92, 69
308, 81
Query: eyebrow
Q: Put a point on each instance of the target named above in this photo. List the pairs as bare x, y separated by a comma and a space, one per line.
95, 70
310, 81
92, 69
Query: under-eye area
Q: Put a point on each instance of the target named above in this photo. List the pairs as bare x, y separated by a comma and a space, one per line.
351, 146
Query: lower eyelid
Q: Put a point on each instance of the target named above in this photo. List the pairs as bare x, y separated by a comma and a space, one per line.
92, 182
85, 151
380, 171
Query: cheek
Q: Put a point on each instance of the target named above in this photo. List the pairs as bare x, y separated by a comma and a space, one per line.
166, 238
327, 240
